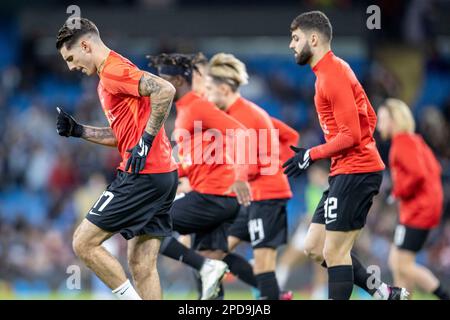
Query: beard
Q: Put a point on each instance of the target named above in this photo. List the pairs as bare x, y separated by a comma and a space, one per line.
304, 56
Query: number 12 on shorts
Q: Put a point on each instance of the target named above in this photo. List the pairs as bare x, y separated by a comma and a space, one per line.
330, 205
103, 201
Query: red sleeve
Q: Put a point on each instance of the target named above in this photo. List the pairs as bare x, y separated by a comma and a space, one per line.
121, 78
408, 170
288, 136
213, 118
345, 111
372, 118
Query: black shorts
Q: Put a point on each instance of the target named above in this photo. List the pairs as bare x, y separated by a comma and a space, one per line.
207, 217
263, 224
409, 238
136, 204
345, 204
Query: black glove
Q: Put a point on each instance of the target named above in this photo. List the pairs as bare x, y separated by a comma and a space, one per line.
298, 164
139, 153
66, 125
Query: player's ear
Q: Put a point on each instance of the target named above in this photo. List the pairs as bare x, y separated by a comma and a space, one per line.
85, 46
314, 39
224, 89
178, 81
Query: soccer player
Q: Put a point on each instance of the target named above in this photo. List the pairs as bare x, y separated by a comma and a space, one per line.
218, 188
348, 122
136, 204
264, 222
416, 179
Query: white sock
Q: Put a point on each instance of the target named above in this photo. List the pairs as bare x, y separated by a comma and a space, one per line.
126, 292
382, 292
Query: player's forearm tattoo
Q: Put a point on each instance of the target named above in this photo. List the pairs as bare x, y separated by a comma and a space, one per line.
161, 93
104, 136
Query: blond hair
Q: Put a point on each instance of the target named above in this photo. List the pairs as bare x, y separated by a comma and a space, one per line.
229, 69
401, 115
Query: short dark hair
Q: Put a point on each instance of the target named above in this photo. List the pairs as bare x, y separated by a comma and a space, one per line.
313, 20
175, 64
200, 59
68, 34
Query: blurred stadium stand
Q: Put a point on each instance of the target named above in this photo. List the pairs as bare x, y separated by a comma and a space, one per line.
48, 182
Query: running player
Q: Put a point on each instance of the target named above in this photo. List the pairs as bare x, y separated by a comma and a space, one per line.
416, 178
348, 122
136, 204
211, 205
264, 222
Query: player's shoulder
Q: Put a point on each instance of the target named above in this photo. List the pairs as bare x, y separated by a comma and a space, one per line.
404, 142
341, 68
117, 65
201, 105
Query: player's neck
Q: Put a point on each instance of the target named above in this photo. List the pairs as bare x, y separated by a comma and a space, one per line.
232, 100
101, 56
318, 55
183, 90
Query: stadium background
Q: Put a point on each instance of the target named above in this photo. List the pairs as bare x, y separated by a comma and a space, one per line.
47, 183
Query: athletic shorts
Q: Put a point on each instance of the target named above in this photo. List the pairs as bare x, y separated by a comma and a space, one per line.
409, 238
207, 217
136, 204
263, 224
345, 204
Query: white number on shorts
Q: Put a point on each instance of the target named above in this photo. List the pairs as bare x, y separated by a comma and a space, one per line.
256, 229
109, 196
399, 235
330, 205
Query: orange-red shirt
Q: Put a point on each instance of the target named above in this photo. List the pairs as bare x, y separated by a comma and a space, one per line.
288, 137
270, 186
128, 113
198, 159
416, 178
347, 119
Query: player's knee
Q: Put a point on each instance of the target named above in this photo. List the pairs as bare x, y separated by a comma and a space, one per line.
313, 252
80, 247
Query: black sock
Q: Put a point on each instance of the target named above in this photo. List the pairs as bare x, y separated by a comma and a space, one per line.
441, 293
240, 268
172, 248
340, 282
268, 286
361, 276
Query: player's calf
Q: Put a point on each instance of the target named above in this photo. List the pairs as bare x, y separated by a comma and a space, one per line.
264, 270
142, 260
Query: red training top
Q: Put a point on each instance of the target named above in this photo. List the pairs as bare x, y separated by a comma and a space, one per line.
288, 137
347, 119
128, 113
274, 184
416, 177
207, 171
